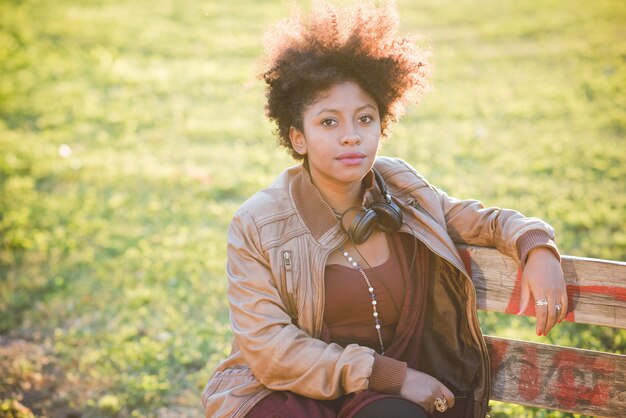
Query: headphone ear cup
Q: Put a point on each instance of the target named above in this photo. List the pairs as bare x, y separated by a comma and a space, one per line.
362, 226
388, 215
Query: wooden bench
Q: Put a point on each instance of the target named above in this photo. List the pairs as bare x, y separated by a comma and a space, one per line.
568, 379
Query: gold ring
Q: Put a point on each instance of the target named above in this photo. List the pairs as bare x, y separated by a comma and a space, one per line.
441, 405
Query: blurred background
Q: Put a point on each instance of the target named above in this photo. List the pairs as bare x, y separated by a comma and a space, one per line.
130, 131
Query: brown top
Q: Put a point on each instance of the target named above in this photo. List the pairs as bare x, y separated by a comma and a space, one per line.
348, 312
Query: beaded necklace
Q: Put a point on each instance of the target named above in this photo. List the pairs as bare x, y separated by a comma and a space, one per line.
370, 288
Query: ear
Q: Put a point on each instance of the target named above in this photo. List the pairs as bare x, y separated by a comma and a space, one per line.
298, 142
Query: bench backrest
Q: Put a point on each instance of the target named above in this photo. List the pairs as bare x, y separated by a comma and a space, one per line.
549, 376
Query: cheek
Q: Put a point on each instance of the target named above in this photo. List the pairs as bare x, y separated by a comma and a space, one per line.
374, 134
318, 140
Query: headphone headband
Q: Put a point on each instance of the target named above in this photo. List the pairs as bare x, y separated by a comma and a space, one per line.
381, 185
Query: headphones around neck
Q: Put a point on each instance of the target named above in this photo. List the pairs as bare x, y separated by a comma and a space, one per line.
383, 215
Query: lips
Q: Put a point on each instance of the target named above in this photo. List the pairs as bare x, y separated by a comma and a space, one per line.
351, 157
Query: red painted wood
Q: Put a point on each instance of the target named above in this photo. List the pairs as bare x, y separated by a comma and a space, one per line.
555, 377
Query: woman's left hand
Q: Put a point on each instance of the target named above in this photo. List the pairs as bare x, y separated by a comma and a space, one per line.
543, 278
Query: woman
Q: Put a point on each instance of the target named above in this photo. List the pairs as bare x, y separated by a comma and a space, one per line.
347, 294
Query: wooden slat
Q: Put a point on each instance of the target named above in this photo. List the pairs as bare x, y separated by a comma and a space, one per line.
554, 377
596, 288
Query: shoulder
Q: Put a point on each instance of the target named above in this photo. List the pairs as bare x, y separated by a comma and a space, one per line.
271, 200
400, 175
269, 216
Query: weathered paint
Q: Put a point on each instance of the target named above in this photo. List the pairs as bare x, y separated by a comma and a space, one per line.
555, 377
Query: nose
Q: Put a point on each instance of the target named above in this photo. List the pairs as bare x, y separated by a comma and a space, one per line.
350, 136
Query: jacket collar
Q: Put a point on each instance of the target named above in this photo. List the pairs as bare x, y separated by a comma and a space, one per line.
317, 215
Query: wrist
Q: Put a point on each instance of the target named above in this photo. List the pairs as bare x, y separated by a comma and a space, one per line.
541, 252
388, 375
533, 240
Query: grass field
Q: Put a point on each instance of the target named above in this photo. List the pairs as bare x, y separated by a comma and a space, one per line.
131, 131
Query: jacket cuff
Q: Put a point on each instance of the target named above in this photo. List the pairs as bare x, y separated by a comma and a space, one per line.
532, 239
387, 375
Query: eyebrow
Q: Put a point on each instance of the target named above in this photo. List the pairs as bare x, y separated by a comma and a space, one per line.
336, 111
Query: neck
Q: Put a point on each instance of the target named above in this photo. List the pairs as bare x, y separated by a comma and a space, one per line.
342, 197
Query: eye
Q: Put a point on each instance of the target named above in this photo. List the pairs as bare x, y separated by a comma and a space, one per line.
328, 122
366, 119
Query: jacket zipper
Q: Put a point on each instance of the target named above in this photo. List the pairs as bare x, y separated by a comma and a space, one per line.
289, 285
288, 271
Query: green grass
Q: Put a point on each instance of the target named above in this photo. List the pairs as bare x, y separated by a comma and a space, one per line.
112, 258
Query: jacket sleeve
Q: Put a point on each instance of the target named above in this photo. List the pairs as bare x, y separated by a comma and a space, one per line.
469, 222
280, 355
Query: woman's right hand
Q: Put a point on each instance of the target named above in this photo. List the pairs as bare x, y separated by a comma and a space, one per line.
423, 389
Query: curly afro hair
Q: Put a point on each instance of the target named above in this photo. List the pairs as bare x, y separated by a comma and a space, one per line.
308, 54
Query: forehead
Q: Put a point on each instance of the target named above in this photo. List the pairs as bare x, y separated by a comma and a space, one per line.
343, 95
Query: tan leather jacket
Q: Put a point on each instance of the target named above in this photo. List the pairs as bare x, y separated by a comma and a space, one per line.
278, 243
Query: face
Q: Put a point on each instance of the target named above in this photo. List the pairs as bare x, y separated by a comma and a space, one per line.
340, 137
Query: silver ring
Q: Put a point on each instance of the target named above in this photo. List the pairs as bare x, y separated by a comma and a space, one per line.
441, 404
542, 302
558, 307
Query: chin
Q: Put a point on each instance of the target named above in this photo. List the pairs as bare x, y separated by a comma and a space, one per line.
354, 174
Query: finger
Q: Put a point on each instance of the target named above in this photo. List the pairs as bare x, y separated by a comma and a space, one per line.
564, 307
541, 313
563, 310
551, 319
447, 393
524, 298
